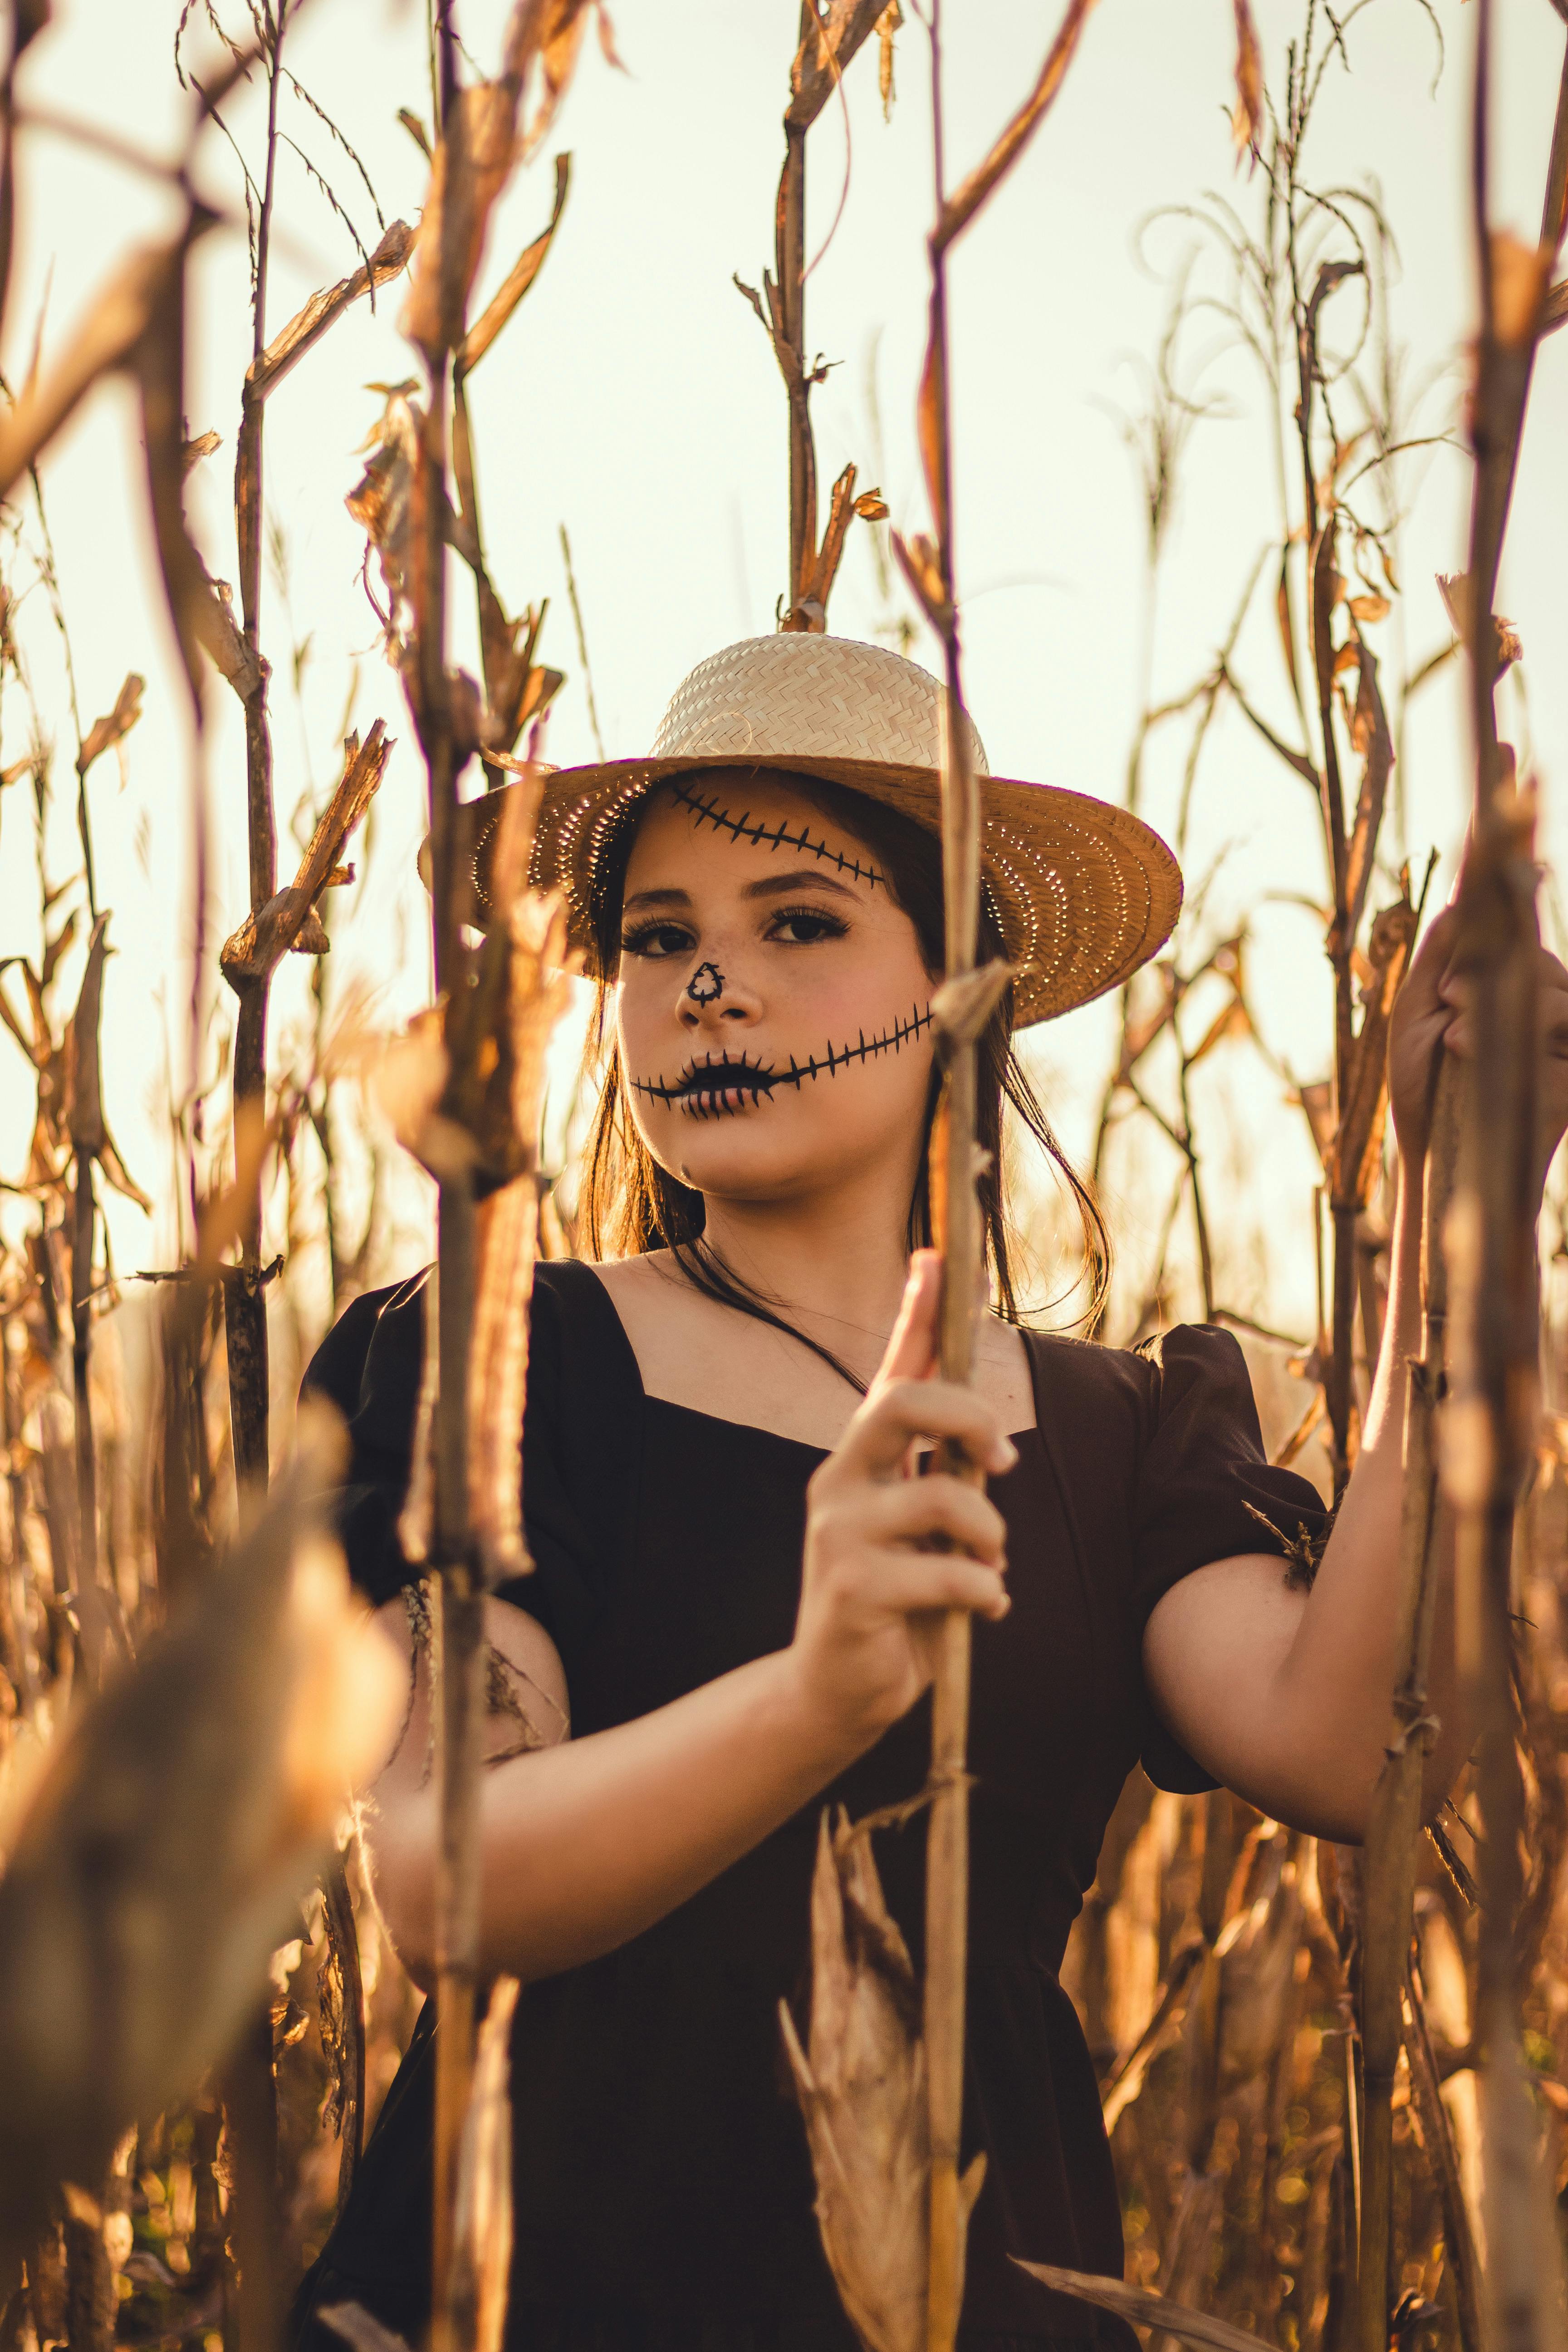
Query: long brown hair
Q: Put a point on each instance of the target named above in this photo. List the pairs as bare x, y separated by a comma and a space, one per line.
629, 1204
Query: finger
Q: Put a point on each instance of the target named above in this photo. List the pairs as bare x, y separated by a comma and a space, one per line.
914, 1581
877, 1440
912, 1347
915, 1509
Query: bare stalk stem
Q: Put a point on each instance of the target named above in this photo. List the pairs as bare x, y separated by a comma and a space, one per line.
1494, 1271
1395, 1830
249, 2086
83, 1221
960, 1240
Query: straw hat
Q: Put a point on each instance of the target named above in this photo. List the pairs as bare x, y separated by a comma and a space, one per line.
1083, 893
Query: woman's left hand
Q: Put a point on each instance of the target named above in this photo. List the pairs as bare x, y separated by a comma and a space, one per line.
1432, 1016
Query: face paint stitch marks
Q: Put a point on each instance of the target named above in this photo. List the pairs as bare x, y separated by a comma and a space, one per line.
706, 986
777, 836
717, 1086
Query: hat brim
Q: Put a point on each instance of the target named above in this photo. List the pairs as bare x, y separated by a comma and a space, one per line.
1083, 892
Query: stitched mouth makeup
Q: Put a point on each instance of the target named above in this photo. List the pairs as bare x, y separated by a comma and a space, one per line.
719, 1086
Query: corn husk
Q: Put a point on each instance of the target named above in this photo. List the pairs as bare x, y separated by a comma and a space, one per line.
861, 2082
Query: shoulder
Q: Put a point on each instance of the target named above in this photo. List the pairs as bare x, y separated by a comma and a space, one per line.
1193, 1376
1186, 1356
1078, 1376
373, 1350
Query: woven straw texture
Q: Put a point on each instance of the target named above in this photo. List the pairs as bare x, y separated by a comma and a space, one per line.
1083, 893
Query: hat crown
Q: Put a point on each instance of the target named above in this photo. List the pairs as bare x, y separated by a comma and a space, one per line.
803, 697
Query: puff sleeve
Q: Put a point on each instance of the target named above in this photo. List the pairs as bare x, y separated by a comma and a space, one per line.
1205, 1490
369, 1367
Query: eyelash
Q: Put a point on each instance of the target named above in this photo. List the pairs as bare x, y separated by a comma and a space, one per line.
637, 941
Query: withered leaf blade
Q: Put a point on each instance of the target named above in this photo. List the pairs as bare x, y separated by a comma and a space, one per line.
268, 932
825, 52
84, 1097
972, 193
1246, 120
474, 159
888, 25
222, 639
498, 310
917, 560
482, 2225
361, 2328
104, 339
962, 1005
862, 2090
321, 312
238, 1730
1145, 2310
113, 728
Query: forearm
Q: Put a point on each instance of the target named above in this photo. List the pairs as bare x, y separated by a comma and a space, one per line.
1337, 1677
588, 1843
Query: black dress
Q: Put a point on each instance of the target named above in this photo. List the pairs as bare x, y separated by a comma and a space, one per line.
663, 2193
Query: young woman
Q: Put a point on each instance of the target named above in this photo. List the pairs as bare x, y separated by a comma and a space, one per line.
732, 1598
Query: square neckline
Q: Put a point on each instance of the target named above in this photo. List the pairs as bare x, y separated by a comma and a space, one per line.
756, 1428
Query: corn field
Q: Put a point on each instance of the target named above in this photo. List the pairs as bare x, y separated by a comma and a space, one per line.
1335, 2080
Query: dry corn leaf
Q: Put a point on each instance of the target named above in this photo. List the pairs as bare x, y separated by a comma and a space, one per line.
268, 933
407, 1077
498, 310
962, 1005
560, 26
1370, 738
104, 339
220, 636
237, 1734
826, 50
888, 25
83, 1076
921, 564
862, 2088
322, 311
967, 198
1454, 587
1247, 117
474, 159
193, 452
106, 732
1145, 2310
481, 2218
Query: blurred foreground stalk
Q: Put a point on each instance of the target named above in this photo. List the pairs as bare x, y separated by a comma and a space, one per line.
476, 1125
1491, 1423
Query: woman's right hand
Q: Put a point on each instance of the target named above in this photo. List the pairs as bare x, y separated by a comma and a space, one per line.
873, 1589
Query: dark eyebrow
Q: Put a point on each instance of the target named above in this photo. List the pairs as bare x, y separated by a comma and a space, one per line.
656, 898
773, 885
770, 885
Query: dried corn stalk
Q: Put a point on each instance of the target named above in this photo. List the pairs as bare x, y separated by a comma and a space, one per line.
1393, 1831
1491, 1424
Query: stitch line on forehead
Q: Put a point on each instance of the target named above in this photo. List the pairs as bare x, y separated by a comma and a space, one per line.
776, 836
758, 1079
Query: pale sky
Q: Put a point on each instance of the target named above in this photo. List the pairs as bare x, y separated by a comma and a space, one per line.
635, 399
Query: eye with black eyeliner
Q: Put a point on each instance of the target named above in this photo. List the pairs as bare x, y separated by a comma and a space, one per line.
656, 940
809, 925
